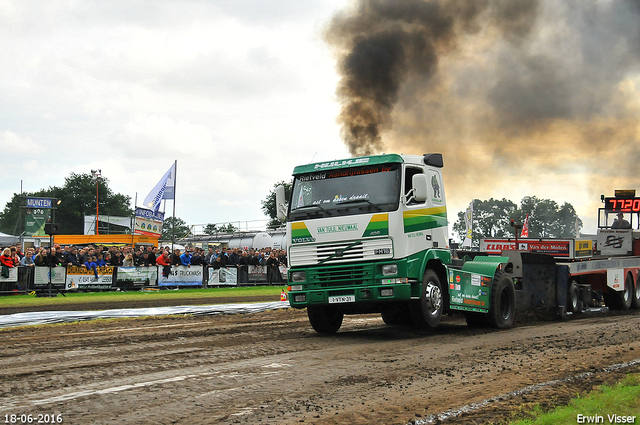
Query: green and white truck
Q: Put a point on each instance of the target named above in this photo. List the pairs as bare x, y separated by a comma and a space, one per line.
369, 235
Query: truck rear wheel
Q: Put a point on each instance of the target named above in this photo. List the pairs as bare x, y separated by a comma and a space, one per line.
635, 303
503, 302
574, 302
427, 312
325, 319
620, 300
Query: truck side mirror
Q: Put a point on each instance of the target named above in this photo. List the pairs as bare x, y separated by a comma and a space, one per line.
281, 207
419, 183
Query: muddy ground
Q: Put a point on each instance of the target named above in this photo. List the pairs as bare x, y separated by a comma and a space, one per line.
272, 368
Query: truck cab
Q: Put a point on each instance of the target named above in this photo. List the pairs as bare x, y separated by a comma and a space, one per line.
369, 235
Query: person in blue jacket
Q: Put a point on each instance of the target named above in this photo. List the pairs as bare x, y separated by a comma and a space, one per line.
185, 258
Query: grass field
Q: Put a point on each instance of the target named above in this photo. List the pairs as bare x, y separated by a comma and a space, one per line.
617, 404
91, 297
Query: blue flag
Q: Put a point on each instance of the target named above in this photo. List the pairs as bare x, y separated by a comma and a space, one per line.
152, 201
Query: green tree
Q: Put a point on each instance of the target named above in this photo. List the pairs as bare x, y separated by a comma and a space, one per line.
269, 204
492, 218
171, 223
77, 198
212, 229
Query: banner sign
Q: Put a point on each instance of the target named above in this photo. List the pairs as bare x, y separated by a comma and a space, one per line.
34, 223
181, 276
83, 278
257, 273
223, 276
615, 241
13, 275
139, 276
39, 203
148, 223
41, 275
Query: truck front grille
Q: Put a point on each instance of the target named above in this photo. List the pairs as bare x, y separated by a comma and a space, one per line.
340, 276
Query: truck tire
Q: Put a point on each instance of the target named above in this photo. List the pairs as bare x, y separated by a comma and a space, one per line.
397, 316
427, 311
620, 300
635, 303
325, 319
503, 302
574, 302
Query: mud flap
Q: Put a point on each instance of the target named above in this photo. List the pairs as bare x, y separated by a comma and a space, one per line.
540, 288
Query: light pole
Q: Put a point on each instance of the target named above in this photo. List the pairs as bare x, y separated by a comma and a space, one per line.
97, 176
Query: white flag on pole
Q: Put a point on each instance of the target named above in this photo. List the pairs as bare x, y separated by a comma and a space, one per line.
152, 201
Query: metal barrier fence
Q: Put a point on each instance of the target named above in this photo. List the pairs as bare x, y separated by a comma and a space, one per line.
24, 279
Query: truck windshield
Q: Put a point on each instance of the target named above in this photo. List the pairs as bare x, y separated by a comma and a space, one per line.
345, 191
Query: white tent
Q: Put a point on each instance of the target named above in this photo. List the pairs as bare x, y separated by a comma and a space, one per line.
7, 240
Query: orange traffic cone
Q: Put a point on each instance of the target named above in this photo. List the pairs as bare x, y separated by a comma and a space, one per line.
283, 296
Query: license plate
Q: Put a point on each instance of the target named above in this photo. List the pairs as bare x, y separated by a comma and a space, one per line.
342, 299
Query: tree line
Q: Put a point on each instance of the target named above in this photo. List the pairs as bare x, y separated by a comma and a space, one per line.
77, 198
492, 218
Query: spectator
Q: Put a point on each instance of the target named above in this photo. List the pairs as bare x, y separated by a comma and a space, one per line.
152, 256
6, 261
217, 262
164, 261
233, 258
40, 259
185, 259
197, 259
175, 258
72, 257
52, 258
19, 252
92, 265
128, 261
207, 258
27, 260
100, 260
273, 271
224, 259
243, 268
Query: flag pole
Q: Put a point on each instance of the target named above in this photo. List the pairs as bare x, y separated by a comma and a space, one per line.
133, 227
173, 228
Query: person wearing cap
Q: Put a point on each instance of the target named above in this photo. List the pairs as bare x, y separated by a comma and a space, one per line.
620, 222
185, 259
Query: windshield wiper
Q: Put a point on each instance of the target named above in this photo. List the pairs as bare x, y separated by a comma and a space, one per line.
357, 201
304, 207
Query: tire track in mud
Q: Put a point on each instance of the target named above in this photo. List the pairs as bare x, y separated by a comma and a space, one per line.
272, 368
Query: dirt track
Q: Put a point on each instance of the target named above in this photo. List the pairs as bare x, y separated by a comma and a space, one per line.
273, 368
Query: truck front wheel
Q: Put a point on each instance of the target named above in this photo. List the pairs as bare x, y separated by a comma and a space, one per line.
325, 319
427, 312
503, 302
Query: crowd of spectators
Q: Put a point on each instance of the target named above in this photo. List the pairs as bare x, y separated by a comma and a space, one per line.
93, 257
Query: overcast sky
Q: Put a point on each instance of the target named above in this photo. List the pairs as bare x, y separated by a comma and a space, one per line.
523, 97
237, 91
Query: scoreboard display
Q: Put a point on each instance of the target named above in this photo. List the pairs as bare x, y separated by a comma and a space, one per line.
625, 205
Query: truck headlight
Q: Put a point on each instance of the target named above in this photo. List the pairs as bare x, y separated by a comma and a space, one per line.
295, 288
298, 276
389, 269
